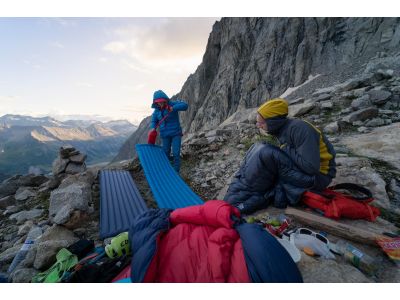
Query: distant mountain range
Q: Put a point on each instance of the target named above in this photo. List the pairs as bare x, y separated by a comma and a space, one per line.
27, 142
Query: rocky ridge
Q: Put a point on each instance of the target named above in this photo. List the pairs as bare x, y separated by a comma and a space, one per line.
249, 60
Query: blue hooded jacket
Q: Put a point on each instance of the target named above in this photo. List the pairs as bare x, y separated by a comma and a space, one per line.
171, 125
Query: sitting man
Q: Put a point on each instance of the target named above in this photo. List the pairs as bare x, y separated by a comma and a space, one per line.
304, 161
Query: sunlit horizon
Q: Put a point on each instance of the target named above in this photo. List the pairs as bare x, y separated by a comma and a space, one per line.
96, 67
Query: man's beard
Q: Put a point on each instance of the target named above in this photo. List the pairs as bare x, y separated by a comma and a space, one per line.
263, 132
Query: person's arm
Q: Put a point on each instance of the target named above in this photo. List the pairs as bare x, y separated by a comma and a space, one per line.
154, 121
178, 105
303, 148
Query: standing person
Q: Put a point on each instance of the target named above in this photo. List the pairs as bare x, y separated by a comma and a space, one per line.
166, 115
304, 161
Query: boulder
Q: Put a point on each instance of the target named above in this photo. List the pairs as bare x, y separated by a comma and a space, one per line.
361, 115
322, 97
359, 171
396, 90
12, 210
78, 159
379, 97
327, 105
66, 151
59, 165
7, 256
11, 185
7, 201
24, 215
332, 127
47, 246
63, 201
57, 232
357, 93
301, 109
382, 143
54, 182
24, 193
74, 168
70, 218
327, 90
375, 122
318, 270
218, 132
23, 275
86, 178
24, 229
46, 253
350, 84
361, 102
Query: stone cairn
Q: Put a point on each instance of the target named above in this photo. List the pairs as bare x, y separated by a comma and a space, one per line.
69, 161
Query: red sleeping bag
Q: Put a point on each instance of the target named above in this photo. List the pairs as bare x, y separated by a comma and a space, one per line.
201, 246
336, 205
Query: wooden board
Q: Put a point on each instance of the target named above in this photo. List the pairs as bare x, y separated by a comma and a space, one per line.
333, 227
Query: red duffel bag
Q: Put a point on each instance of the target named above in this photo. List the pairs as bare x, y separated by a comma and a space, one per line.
335, 204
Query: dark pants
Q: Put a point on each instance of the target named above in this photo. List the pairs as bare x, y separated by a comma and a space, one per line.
175, 142
321, 182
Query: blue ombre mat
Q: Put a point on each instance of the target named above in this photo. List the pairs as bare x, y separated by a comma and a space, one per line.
120, 202
168, 188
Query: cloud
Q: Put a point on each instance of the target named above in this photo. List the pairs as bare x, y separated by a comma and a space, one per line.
134, 88
116, 47
65, 22
84, 84
57, 45
8, 104
136, 66
103, 59
62, 22
137, 109
162, 42
32, 64
7, 99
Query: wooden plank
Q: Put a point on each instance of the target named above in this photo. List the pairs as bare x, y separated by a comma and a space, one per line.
333, 227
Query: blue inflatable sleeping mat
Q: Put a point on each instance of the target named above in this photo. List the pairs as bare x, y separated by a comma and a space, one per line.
168, 188
120, 202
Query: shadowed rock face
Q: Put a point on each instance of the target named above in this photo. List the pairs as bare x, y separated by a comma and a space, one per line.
248, 60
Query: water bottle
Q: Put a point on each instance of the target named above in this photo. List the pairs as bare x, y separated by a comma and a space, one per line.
357, 258
33, 234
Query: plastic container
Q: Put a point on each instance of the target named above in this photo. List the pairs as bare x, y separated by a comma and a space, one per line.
357, 258
33, 234
308, 241
291, 249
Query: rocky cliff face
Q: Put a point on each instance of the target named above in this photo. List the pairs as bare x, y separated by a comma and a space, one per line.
248, 60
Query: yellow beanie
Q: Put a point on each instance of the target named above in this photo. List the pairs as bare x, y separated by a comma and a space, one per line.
273, 108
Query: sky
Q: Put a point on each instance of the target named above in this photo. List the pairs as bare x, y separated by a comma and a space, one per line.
104, 68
